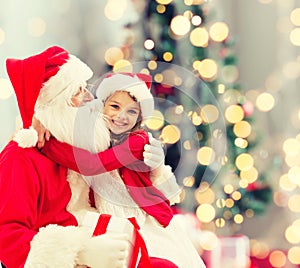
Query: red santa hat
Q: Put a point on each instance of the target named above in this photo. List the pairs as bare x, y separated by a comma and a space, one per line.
43, 77
136, 84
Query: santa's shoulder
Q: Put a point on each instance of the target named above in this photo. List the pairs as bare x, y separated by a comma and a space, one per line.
14, 154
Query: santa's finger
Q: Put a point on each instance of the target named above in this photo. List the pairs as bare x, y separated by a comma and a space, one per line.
123, 255
120, 263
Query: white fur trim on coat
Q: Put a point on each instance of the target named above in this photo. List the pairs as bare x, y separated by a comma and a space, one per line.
133, 85
26, 137
164, 180
71, 75
56, 246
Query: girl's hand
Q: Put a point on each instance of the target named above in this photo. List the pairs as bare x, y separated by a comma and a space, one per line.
43, 133
154, 155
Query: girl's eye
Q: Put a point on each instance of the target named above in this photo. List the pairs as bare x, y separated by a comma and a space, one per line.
132, 111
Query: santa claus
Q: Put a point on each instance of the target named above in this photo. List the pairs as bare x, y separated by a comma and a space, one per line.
41, 213
126, 191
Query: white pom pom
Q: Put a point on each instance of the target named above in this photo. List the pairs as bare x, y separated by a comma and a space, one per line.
26, 137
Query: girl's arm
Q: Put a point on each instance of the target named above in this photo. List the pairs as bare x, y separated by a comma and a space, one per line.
88, 164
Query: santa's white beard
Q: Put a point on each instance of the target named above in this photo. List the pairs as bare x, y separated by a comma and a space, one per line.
83, 127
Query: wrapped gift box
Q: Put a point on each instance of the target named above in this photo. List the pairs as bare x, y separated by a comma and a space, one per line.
111, 224
229, 252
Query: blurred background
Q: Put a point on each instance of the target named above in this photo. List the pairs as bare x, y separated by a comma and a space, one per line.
226, 77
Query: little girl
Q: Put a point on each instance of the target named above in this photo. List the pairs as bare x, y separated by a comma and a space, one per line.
126, 189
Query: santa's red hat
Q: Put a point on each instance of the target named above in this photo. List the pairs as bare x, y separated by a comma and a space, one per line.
137, 85
42, 77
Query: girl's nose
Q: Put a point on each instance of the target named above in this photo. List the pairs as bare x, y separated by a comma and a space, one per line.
122, 114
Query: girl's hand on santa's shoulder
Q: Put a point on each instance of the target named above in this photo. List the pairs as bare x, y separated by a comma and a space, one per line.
43, 133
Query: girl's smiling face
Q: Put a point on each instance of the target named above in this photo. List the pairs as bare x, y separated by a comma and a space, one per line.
122, 112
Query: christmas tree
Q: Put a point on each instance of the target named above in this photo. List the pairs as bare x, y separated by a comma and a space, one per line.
202, 113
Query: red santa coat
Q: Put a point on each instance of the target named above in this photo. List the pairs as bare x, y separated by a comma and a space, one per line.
128, 158
34, 193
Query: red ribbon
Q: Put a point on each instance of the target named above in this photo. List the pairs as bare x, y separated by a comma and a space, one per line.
138, 241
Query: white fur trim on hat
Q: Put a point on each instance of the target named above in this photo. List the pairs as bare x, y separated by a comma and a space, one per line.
133, 85
71, 75
26, 137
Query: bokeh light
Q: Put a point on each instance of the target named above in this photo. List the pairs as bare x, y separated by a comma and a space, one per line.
6, 89
250, 175
265, 102
295, 17
156, 121
230, 73
277, 258
259, 249
209, 240
123, 66
294, 255
238, 218
291, 70
292, 234
209, 113
294, 174
196, 119
294, 203
36, 26
208, 69
161, 9
2, 36
170, 134
219, 31
149, 44
199, 37
205, 213
244, 161
164, 2
291, 146
206, 155
180, 25
167, 56
196, 20
112, 55
234, 114
220, 222
280, 199
188, 181
152, 65
205, 197
242, 129
295, 37
241, 143
115, 9
286, 184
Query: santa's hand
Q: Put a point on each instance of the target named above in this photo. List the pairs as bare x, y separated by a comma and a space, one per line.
105, 251
154, 155
43, 133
